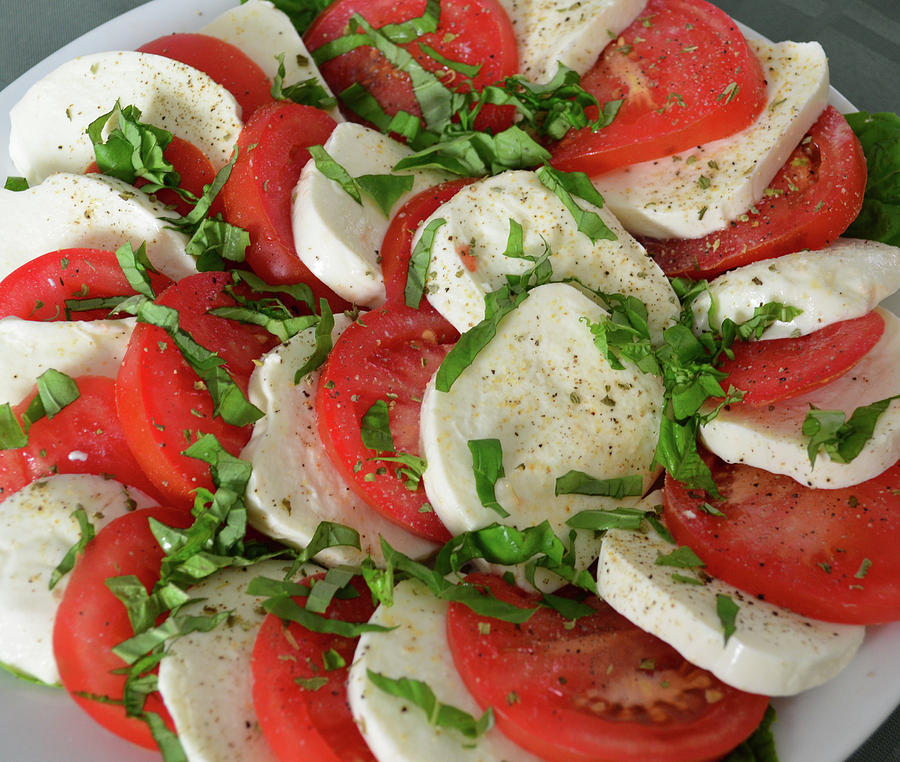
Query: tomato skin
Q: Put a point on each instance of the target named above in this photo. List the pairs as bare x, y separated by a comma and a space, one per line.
90, 620
580, 693
222, 61
818, 192
38, 289
302, 724
797, 547
687, 76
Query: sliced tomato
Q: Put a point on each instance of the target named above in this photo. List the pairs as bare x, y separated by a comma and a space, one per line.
600, 689
163, 404
780, 369
301, 703
38, 290
85, 437
686, 76
474, 32
826, 554
90, 620
387, 355
272, 149
810, 202
222, 61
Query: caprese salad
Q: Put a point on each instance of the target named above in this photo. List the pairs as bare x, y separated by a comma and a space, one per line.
432, 379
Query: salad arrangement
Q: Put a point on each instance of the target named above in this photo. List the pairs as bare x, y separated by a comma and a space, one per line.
403, 443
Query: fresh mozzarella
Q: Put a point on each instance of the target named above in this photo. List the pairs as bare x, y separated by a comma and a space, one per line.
666, 198
205, 678
289, 502
395, 729
87, 211
772, 650
546, 392
843, 281
47, 127
477, 225
338, 239
772, 438
37, 528
30, 347
549, 32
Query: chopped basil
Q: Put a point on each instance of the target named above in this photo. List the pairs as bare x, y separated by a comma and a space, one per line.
570, 185
55, 391
86, 534
579, 483
215, 241
411, 468
499, 544
275, 318
863, 569
384, 190
14, 183
684, 579
12, 435
335, 172
842, 440
332, 660
323, 590
169, 746
174, 626
727, 611
307, 92
311, 683
515, 245
682, 557
487, 467
619, 518
329, 534
323, 342
469, 70
658, 527
288, 609
419, 261
375, 428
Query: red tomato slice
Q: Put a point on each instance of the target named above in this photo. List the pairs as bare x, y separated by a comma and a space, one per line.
90, 620
388, 354
85, 437
257, 196
687, 76
780, 369
599, 690
162, 402
38, 289
476, 32
826, 554
304, 723
812, 200
222, 61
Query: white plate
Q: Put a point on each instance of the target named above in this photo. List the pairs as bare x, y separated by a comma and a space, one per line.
42, 725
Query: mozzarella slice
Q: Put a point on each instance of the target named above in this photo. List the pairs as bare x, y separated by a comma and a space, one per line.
58, 108
30, 347
37, 528
545, 391
772, 438
205, 678
773, 651
549, 32
666, 198
395, 729
87, 211
338, 239
288, 501
842, 281
477, 225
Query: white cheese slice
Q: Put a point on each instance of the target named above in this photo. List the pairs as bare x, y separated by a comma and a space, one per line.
57, 109
477, 224
294, 484
549, 32
772, 438
76, 348
338, 239
87, 211
666, 198
205, 678
842, 281
772, 651
395, 729
544, 390
37, 528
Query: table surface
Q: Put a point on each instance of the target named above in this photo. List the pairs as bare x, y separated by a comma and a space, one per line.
862, 40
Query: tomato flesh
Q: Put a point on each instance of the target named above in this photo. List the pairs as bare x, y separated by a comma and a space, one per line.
599, 690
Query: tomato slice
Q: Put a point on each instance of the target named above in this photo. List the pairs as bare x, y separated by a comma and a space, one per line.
38, 289
599, 690
826, 554
90, 620
85, 437
476, 32
389, 354
686, 76
780, 369
222, 61
302, 721
812, 200
163, 404
272, 149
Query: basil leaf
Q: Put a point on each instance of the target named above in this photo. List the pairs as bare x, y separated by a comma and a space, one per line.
579, 483
727, 611
569, 185
419, 261
499, 544
335, 172
14, 183
385, 190
301, 12
216, 242
323, 342
760, 746
86, 534
599, 521
167, 741
255, 313
12, 435
682, 557
515, 241
289, 610
676, 452
842, 440
329, 534
324, 590
136, 267
487, 467
879, 218
412, 467
375, 428
566, 607
307, 92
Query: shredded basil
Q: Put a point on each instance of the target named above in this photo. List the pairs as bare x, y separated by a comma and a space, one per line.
419, 261
619, 518
727, 611
307, 92
375, 428
842, 439
487, 467
682, 557
86, 534
571, 185
579, 483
